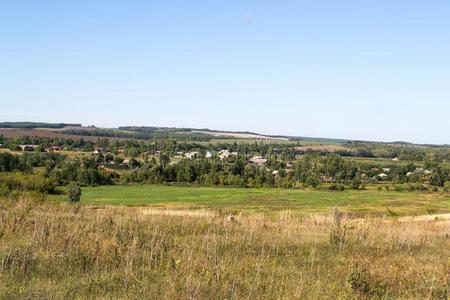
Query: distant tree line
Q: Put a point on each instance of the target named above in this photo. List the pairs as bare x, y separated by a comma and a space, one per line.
31, 125
141, 134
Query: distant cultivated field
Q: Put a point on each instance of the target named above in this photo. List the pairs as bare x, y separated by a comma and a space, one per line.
328, 147
267, 200
49, 133
240, 135
244, 141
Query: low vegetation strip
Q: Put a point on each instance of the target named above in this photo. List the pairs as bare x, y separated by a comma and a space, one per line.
266, 199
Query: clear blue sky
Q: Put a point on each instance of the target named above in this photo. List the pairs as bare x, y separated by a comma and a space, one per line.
374, 70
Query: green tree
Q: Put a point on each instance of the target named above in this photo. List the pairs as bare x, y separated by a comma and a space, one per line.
74, 192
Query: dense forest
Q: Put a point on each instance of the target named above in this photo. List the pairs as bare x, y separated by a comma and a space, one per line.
31, 125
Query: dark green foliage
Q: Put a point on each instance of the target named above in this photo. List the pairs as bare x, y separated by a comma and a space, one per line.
17, 182
336, 187
30, 125
8, 162
73, 192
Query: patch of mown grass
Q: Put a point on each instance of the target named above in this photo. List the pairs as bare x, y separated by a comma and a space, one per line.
302, 201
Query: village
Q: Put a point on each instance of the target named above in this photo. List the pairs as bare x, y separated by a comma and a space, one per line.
276, 164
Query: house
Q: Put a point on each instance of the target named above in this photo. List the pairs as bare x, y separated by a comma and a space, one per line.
224, 154
28, 147
275, 173
427, 172
208, 154
98, 150
409, 174
258, 160
395, 159
387, 170
191, 155
53, 149
325, 178
382, 176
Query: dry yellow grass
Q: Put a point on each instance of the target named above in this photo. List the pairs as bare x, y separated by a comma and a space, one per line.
58, 251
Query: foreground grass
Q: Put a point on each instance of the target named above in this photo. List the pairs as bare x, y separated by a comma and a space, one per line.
57, 251
267, 200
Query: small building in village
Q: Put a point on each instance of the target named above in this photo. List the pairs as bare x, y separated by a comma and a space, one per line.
258, 160
98, 150
28, 147
191, 155
53, 149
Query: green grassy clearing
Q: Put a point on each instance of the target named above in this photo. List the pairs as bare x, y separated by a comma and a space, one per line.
266, 200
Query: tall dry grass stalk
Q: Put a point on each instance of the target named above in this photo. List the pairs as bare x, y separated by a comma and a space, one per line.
61, 251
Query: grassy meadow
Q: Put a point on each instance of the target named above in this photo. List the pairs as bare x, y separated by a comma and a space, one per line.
54, 250
267, 200
179, 242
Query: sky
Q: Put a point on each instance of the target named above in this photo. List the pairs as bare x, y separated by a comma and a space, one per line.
368, 70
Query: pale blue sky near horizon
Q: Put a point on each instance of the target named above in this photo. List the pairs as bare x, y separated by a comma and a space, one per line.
370, 70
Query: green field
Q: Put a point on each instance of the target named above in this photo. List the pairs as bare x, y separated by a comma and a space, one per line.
267, 200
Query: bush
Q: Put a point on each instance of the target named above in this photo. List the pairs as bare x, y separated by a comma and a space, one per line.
312, 181
357, 185
13, 182
391, 213
363, 284
447, 186
399, 188
336, 187
74, 192
430, 210
337, 237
